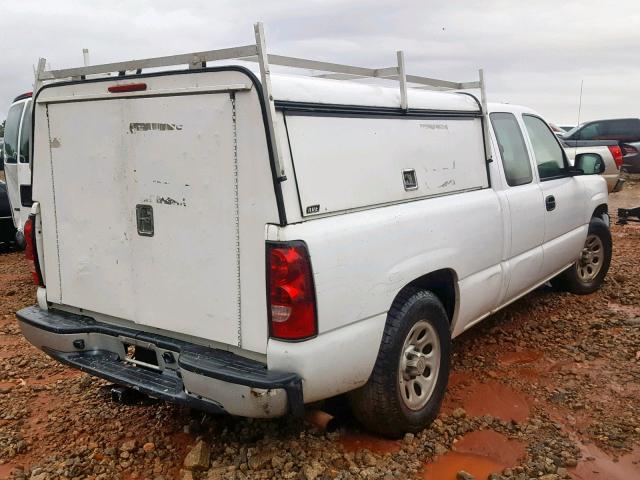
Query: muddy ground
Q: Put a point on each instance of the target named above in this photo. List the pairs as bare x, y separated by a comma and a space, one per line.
548, 388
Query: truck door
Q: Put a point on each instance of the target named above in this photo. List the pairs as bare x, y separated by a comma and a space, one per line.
521, 198
24, 167
11, 150
565, 229
146, 223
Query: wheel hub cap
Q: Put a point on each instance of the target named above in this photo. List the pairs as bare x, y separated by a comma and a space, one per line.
416, 362
419, 365
591, 259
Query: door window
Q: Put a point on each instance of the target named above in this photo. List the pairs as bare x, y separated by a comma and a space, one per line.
515, 159
11, 133
546, 149
591, 131
25, 135
627, 130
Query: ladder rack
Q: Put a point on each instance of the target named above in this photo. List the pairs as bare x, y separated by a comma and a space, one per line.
258, 53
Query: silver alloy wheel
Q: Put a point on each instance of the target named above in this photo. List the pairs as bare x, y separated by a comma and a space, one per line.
419, 365
591, 259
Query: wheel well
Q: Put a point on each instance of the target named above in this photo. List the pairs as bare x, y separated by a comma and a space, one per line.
600, 209
443, 284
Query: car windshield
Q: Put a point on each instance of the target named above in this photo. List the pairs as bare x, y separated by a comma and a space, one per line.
573, 130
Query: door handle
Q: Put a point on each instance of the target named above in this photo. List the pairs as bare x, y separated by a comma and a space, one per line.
550, 203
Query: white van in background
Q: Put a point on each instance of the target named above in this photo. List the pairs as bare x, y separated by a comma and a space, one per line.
17, 168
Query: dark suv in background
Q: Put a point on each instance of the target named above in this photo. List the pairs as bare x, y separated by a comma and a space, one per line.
626, 131
7, 230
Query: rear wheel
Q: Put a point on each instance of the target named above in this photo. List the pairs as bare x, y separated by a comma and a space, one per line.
587, 274
20, 241
408, 381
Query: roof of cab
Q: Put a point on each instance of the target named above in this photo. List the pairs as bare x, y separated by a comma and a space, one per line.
495, 107
23, 96
302, 89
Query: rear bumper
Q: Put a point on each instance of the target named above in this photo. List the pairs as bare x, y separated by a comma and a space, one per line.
631, 163
204, 378
618, 185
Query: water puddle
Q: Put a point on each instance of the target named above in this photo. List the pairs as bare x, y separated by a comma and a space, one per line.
7, 386
598, 465
6, 469
354, 441
478, 453
449, 464
522, 357
630, 311
64, 375
11, 340
487, 398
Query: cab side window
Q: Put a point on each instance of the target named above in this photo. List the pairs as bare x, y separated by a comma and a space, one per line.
11, 133
627, 130
546, 149
515, 159
591, 131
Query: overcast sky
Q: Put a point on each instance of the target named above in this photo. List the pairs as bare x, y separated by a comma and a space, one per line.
534, 53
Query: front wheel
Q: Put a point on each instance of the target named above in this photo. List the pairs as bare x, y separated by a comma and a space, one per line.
587, 274
410, 376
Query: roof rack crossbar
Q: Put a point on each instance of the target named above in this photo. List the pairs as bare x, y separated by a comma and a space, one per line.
184, 59
258, 53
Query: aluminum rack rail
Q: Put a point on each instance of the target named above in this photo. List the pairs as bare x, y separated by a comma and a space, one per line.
258, 53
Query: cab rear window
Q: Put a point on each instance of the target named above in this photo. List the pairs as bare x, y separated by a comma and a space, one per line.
513, 151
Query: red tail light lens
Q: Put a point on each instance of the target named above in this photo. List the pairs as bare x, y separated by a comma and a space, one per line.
30, 251
292, 298
128, 87
28, 235
616, 151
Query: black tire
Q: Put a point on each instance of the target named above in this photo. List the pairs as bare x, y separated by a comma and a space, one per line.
20, 242
379, 404
571, 281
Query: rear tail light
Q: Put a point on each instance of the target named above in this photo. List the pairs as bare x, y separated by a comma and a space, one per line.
30, 250
616, 151
292, 298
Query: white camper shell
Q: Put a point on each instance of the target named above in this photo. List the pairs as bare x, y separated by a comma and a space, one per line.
239, 240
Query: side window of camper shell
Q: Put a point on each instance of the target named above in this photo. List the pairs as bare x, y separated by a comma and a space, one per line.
513, 151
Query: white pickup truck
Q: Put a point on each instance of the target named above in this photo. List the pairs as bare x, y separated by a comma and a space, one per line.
250, 245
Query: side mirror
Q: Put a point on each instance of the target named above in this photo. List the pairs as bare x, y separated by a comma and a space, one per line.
589, 163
